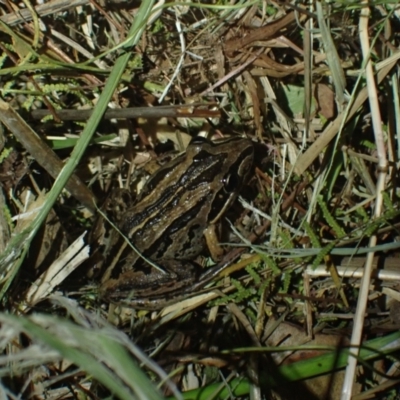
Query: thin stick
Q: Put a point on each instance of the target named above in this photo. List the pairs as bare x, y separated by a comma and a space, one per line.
196, 110
382, 169
42, 10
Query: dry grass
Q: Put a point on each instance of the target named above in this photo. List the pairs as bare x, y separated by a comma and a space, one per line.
315, 87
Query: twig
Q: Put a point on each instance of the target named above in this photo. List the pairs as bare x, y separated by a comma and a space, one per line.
231, 74
263, 33
196, 110
307, 158
180, 63
42, 10
42, 153
382, 169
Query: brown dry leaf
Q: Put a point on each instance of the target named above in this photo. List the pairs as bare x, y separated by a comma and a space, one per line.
325, 387
326, 100
12, 169
68, 261
49, 242
252, 91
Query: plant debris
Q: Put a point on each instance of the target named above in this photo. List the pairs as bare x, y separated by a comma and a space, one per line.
95, 96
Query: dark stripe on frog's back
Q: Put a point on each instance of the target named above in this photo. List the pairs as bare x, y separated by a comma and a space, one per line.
209, 166
148, 205
159, 175
159, 247
162, 226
